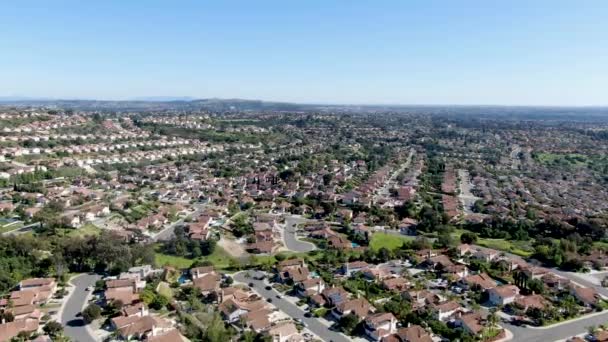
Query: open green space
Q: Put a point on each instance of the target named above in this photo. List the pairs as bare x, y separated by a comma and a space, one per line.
219, 258
8, 227
521, 248
388, 241
573, 159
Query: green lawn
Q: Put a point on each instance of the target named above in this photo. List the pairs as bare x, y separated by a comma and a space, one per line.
575, 159
219, 258
521, 248
172, 260
88, 229
388, 241
9, 227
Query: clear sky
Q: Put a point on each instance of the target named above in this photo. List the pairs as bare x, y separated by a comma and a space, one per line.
539, 52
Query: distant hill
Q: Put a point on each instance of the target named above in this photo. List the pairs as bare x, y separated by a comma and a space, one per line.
169, 103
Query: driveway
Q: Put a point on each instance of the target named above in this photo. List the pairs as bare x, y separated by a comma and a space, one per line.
290, 238
73, 324
291, 309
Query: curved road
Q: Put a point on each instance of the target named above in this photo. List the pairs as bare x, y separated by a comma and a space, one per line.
290, 236
291, 309
73, 324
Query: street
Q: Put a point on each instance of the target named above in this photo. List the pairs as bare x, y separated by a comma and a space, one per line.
290, 309
290, 238
466, 197
383, 191
73, 324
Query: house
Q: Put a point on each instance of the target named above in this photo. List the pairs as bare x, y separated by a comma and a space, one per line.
199, 272
339, 242
125, 284
261, 247
397, 284
207, 283
413, 333
310, 287
125, 296
359, 307
532, 301
471, 322
25, 312
502, 295
172, 335
485, 254
585, 295
8, 330
481, 281
232, 309
137, 309
443, 311
335, 295
407, 226
421, 298
257, 320
352, 267
46, 283
295, 274
380, 325
283, 332
144, 327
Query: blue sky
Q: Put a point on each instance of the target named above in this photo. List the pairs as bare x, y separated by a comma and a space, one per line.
393, 52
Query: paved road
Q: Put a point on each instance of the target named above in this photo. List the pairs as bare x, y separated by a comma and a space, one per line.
291, 309
383, 191
289, 235
466, 197
560, 332
73, 324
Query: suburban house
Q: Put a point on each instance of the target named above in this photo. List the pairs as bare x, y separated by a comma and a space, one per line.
359, 307
443, 311
502, 295
380, 325
413, 333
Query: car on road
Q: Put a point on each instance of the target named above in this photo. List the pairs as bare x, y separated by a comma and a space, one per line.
307, 314
268, 288
279, 296
250, 285
269, 300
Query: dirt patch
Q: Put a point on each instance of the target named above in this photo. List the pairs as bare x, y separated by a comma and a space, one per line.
233, 248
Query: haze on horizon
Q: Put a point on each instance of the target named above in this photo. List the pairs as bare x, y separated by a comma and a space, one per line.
386, 52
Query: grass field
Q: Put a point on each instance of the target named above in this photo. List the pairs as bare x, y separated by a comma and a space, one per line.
521, 248
219, 258
388, 241
8, 227
88, 229
558, 158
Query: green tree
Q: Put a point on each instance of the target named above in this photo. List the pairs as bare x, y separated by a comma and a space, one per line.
348, 323
91, 313
53, 329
